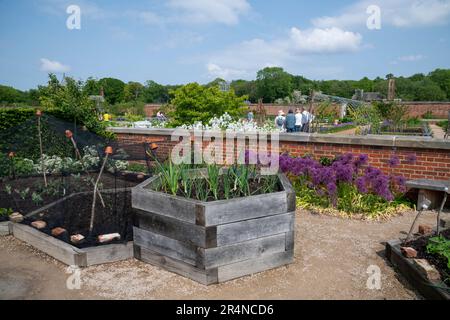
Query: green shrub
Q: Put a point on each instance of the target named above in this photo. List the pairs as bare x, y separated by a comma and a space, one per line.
193, 103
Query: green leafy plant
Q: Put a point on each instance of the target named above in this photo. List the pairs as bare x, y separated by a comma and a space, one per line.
23, 193
8, 189
440, 246
5, 212
36, 198
213, 178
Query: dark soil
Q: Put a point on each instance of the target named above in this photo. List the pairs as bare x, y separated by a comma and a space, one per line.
420, 244
74, 215
58, 187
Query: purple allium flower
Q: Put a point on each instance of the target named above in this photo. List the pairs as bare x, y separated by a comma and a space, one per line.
361, 160
394, 161
399, 183
344, 172
411, 158
361, 184
332, 188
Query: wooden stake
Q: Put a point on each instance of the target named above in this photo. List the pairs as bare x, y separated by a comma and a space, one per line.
39, 114
78, 155
108, 151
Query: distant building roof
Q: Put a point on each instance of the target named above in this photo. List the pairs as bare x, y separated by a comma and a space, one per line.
367, 96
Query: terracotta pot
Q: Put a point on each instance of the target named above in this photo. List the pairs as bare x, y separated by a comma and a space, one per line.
108, 150
69, 134
38, 113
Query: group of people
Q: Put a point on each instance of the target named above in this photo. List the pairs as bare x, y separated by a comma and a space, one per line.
294, 122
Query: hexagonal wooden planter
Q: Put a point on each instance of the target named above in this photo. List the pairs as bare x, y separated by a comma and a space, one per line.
213, 242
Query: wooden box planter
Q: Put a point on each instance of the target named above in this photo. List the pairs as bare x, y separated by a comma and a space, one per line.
65, 252
407, 268
4, 228
213, 242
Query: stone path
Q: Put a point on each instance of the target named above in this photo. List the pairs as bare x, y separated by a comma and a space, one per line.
438, 132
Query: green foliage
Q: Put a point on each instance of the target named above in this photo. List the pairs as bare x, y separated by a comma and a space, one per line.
113, 89
131, 108
5, 212
273, 83
193, 103
11, 117
245, 88
348, 201
132, 91
137, 167
366, 115
440, 246
156, 93
443, 124
69, 101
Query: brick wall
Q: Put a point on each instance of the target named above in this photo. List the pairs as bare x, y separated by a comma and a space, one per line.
151, 109
433, 157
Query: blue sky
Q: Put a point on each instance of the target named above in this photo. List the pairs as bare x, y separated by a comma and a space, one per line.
180, 41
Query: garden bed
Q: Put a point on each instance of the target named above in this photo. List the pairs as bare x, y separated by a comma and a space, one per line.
214, 241
430, 289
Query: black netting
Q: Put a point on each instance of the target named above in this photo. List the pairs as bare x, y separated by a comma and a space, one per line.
64, 197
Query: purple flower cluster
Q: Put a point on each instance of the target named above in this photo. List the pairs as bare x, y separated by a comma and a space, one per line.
345, 169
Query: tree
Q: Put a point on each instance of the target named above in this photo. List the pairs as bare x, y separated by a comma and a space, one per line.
442, 78
70, 102
92, 87
193, 103
113, 89
133, 91
245, 88
155, 93
11, 95
273, 83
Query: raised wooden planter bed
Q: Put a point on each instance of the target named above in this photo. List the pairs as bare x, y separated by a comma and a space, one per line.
406, 267
4, 228
66, 252
69, 254
213, 242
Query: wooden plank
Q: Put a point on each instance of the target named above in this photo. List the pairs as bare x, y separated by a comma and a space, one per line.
410, 272
291, 196
233, 210
164, 204
290, 240
166, 246
4, 228
247, 267
254, 228
205, 277
53, 247
252, 249
173, 228
108, 253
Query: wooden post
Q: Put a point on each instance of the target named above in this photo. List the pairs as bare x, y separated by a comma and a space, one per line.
69, 135
108, 151
39, 114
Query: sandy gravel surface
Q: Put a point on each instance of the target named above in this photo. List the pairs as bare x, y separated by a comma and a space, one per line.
331, 260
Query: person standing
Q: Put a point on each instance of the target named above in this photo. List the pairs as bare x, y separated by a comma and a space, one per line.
279, 120
290, 121
298, 120
250, 116
305, 120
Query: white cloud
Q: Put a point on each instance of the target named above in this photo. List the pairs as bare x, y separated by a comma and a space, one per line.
206, 11
53, 66
245, 58
329, 40
398, 13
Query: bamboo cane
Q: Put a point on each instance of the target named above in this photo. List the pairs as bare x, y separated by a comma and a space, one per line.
39, 114
108, 151
69, 135
13, 169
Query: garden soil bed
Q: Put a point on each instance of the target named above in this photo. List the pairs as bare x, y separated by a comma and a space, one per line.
406, 266
73, 214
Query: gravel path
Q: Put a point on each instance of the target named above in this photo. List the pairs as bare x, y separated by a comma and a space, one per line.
331, 260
